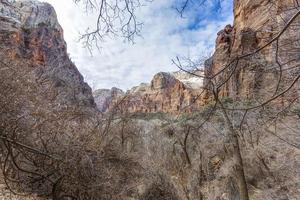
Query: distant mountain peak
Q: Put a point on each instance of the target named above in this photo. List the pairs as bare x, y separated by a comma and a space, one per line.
169, 92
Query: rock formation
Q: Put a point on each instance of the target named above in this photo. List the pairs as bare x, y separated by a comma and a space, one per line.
168, 92
256, 23
43, 96
30, 31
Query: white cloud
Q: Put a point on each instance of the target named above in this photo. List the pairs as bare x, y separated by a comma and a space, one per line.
124, 65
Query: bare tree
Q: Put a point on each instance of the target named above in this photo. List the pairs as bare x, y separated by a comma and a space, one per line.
114, 18
41, 154
119, 18
285, 88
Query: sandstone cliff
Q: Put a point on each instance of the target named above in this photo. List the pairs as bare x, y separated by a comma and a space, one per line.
248, 53
30, 32
168, 93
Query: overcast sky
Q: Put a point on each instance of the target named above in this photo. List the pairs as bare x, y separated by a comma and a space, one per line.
164, 36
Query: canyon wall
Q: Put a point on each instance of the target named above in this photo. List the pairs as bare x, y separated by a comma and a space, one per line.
47, 111
44, 98
257, 56
174, 93
30, 33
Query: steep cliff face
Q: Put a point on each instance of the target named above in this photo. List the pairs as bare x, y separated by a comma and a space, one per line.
167, 92
30, 32
105, 97
43, 96
248, 53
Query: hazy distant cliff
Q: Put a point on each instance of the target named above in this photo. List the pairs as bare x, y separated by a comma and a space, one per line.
176, 92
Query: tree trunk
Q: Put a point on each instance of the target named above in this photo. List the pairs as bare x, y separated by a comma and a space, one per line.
237, 157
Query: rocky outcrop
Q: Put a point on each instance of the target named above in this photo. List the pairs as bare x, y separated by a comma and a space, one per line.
253, 73
168, 92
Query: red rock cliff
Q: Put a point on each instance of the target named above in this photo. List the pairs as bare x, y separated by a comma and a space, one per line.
248, 62
167, 92
30, 33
